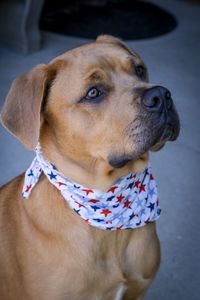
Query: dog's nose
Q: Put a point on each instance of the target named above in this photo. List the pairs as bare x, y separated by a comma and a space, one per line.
157, 98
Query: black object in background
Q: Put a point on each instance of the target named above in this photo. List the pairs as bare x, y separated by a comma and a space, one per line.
130, 20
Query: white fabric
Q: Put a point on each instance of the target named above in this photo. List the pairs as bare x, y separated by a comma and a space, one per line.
130, 203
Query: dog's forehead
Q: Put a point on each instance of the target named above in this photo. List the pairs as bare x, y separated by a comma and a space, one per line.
102, 55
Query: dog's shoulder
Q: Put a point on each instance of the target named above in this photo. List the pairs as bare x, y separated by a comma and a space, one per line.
10, 195
11, 187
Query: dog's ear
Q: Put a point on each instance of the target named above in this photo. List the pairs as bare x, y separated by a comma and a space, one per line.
21, 113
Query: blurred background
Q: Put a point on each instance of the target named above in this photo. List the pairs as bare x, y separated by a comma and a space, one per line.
167, 36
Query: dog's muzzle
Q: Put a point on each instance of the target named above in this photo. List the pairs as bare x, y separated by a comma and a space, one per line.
157, 123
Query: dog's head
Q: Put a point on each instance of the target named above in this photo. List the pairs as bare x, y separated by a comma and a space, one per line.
94, 101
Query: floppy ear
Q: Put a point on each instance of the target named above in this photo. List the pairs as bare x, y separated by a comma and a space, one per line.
21, 113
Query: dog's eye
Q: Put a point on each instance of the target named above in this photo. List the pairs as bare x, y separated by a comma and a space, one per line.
93, 93
140, 71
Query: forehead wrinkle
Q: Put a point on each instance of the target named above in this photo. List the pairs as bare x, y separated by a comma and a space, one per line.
99, 71
96, 75
103, 67
129, 65
111, 63
121, 45
125, 64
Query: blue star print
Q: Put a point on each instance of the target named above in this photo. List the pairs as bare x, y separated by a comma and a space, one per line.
130, 203
52, 175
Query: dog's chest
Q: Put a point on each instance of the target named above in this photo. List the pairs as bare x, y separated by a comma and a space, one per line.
97, 266
81, 262
86, 266
100, 270
104, 262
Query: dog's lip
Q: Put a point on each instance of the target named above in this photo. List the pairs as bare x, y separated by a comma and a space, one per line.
170, 133
157, 147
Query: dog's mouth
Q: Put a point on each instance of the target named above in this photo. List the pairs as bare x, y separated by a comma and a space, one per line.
170, 131
151, 137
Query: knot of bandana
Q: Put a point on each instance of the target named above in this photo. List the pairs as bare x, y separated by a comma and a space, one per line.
131, 202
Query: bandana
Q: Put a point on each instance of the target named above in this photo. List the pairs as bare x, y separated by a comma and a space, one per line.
131, 202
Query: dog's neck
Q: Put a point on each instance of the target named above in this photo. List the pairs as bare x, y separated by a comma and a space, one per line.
95, 173
131, 202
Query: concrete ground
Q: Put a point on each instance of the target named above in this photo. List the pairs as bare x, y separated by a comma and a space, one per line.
173, 61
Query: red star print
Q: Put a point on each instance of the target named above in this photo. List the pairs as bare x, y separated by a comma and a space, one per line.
127, 204
61, 183
93, 200
137, 183
112, 189
151, 177
142, 188
120, 198
105, 212
88, 191
79, 204
28, 187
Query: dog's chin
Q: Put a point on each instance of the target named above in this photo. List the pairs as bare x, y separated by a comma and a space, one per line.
120, 161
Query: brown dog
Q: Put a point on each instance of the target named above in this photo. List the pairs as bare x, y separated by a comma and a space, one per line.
96, 116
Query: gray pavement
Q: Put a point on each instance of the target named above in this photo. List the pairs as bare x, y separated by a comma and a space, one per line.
173, 61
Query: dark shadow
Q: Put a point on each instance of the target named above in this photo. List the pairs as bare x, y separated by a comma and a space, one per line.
130, 20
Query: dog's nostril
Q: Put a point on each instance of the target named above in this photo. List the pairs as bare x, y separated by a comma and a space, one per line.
155, 101
151, 99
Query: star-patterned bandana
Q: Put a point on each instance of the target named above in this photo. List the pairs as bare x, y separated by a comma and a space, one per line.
131, 202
